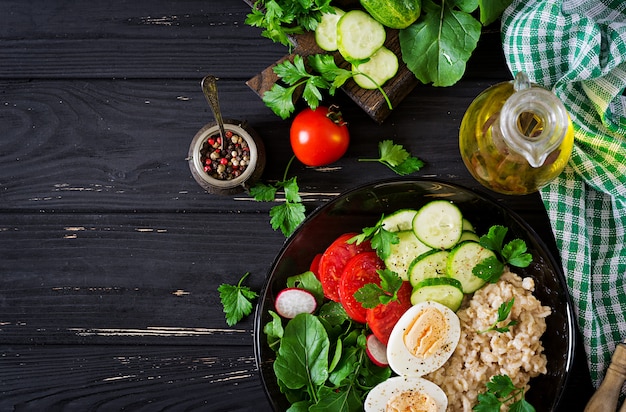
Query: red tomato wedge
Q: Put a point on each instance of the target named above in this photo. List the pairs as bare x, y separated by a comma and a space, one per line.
315, 265
333, 261
383, 318
359, 271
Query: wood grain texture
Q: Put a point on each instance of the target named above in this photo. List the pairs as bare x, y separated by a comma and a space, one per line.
110, 253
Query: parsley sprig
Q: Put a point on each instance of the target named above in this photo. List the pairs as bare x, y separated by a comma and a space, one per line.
397, 158
371, 294
512, 253
236, 300
288, 215
380, 238
504, 310
502, 391
280, 19
295, 75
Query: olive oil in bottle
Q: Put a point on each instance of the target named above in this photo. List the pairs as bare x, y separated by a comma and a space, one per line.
515, 137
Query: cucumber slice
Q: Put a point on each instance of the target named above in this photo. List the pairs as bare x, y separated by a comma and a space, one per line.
439, 224
467, 226
403, 253
431, 264
444, 290
462, 260
326, 30
468, 235
399, 220
381, 66
359, 35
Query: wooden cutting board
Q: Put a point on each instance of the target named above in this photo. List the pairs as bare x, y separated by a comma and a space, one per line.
371, 101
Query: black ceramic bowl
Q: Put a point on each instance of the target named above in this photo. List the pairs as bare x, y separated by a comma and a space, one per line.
362, 207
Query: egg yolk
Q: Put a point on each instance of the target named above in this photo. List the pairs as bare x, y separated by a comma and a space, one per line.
411, 401
427, 333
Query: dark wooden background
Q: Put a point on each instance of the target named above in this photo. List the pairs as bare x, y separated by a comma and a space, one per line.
110, 253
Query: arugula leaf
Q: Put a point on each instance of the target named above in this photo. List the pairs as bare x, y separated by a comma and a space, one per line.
236, 300
295, 75
502, 391
380, 238
397, 158
513, 253
437, 47
287, 216
372, 295
504, 310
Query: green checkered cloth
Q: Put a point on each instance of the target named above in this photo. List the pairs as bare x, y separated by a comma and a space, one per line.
577, 48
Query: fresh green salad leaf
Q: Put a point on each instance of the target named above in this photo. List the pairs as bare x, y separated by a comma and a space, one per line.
302, 359
513, 253
437, 47
502, 391
288, 215
236, 300
380, 238
280, 19
491, 10
372, 295
295, 75
504, 310
396, 157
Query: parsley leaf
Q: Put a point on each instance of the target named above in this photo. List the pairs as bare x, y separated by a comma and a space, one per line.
371, 294
280, 19
236, 300
502, 391
287, 216
380, 238
513, 253
397, 158
504, 310
295, 75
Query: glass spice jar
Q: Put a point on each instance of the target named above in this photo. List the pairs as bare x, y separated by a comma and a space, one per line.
516, 137
231, 168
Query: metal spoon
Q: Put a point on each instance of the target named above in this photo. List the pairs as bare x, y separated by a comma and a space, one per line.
209, 88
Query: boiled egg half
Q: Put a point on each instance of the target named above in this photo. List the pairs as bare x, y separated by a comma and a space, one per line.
406, 393
423, 339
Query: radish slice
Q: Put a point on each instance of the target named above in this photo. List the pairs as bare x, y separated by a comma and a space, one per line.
291, 302
377, 351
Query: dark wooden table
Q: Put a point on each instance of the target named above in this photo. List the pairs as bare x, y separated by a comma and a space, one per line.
110, 253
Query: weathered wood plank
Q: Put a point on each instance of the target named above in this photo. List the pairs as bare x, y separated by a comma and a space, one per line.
81, 378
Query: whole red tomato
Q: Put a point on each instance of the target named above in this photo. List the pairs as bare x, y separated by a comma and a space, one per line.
319, 137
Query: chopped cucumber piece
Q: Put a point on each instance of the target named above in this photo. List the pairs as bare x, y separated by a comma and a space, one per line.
381, 66
469, 235
326, 31
439, 224
359, 35
399, 220
444, 290
403, 253
461, 262
431, 264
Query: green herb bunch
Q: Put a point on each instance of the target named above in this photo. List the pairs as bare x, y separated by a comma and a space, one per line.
280, 19
325, 75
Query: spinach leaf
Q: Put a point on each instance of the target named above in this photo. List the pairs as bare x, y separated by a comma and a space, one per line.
302, 359
438, 46
491, 10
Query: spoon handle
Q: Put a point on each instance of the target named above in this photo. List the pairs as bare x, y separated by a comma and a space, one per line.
607, 395
209, 87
